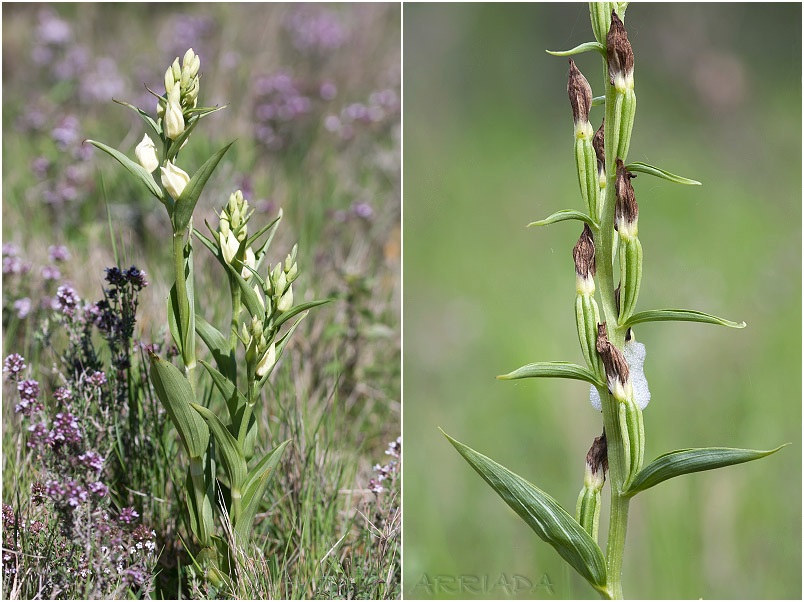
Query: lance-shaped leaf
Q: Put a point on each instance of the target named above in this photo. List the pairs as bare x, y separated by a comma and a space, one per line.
553, 370
280, 348
176, 394
247, 295
175, 145
135, 169
543, 514
272, 226
685, 461
233, 461
680, 315
585, 47
186, 202
234, 398
256, 483
564, 215
638, 166
297, 309
147, 118
218, 345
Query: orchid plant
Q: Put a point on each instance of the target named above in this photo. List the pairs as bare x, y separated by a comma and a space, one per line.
608, 250
234, 494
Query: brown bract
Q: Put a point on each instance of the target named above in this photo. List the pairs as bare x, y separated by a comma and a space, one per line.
598, 143
626, 208
618, 49
613, 359
580, 94
584, 253
598, 459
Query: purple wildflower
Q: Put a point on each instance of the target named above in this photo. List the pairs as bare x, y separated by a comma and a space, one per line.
314, 30
63, 395
66, 300
66, 133
92, 460
39, 435
136, 277
10, 249
97, 379
14, 364
128, 515
98, 489
328, 91
50, 272
40, 166
28, 389
363, 210
58, 253
23, 307
65, 429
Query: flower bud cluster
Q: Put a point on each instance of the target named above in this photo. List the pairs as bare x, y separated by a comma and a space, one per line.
233, 230
181, 91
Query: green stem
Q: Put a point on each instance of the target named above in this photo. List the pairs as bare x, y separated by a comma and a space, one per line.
235, 290
199, 492
183, 319
618, 522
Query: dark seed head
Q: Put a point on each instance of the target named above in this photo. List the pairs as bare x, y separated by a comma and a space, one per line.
613, 359
584, 253
626, 208
598, 144
580, 94
598, 459
618, 49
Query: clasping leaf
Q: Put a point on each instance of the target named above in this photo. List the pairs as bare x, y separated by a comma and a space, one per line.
543, 514
638, 166
680, 315
685, 461
553, 370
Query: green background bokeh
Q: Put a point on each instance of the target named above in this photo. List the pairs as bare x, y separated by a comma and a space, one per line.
487, 149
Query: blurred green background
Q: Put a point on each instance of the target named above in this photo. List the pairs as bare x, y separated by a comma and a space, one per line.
488, 148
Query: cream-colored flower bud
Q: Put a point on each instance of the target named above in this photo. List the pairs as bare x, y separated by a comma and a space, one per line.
169, 80
174, 117
229, 246
176, 69
249, 261
174, 179
195, 66
281, 283
244, 333
160, 109
223, 226
188, 58
293, 272
146, 154
267, 362
286, 301
256, 327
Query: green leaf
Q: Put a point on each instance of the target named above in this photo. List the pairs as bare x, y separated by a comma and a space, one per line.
147, 118
680, 315
219, 347
280, 348
189, 320
227, 445
564, 215
234, 398
638, 166
585, 47
135, 169
598, 100
176, 394
553, 370
173, 323
204, 111
186, 202
208, 243
271, 226
297, 309
543, 514
257, 482
685, 461
247, 295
